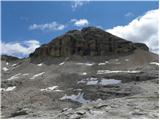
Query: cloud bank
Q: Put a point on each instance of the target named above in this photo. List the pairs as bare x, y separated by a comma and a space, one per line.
19, 49
78, 3
47, 26
80, 22
143, 29
129, 14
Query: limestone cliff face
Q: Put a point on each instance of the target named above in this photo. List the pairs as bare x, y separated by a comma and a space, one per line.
90, 41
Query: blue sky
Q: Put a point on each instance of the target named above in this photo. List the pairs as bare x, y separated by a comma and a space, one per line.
18, 18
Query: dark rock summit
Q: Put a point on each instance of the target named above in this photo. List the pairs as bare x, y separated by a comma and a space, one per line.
90, 41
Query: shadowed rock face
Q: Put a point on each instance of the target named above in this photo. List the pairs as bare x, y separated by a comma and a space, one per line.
90, 41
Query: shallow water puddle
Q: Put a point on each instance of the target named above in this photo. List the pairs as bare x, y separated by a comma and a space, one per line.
77, 98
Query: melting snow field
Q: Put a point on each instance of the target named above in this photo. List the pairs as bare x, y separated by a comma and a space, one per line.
5, 69
116, 71
39, 74
8, 89
154, 63
77, 98
14, 77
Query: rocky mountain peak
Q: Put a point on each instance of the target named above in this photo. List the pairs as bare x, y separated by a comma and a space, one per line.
90, 41
8, 58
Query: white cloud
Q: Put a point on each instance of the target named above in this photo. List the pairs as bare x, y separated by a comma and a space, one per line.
80, 22
47, 26
19, 49
129, 14
143, 29
78, 3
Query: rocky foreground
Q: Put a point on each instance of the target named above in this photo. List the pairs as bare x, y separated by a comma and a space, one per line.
81, 89
82, 74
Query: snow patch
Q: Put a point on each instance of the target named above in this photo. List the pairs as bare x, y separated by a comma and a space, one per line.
84, 73
116, 71
87, 64
58, 90
102, 64
14, 65
81, 81
14, 77
8, 89
25, 74
87, 79
106, 62
39, 64
39, 74
51, 89
154, 63
5, 69
62, 63
109, 82
126, 60
92, 82
78, 98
